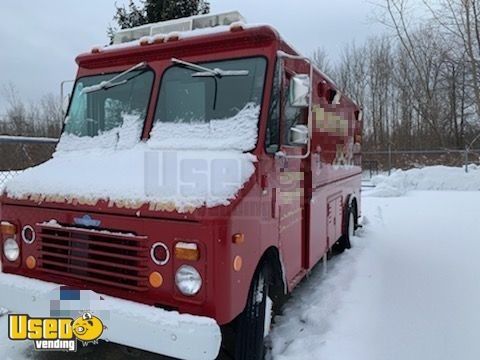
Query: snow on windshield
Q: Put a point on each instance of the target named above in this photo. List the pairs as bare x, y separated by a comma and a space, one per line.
125, 136
239, 132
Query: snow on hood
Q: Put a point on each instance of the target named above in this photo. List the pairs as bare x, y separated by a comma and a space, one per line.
442, 178
173, 171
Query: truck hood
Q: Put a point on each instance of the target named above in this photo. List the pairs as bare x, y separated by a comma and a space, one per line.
166, 180
182, 167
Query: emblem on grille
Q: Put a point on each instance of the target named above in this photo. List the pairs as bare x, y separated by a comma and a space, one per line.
87, 220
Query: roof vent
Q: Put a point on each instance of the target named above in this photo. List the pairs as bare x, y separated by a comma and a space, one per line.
178, 25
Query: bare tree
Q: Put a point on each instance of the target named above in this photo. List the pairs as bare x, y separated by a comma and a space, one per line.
413, 85
43, 118
460, 21
322, 61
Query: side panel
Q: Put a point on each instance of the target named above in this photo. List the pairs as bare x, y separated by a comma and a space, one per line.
326, 226
335, 166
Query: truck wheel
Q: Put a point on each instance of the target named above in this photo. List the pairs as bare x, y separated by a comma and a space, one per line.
253, 325
344, 242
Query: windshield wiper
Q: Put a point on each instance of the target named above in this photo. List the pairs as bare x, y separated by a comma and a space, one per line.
213, 73
207, 72
111, 83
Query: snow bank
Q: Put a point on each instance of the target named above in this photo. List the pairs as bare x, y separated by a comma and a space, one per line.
427, 178
181, 168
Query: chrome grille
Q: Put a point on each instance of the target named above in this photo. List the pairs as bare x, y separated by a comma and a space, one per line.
94, 256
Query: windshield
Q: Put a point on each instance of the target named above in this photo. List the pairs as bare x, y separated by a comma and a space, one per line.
186, 97
96, 112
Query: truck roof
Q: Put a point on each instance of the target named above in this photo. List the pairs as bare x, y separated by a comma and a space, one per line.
146, 44
226, 30
165, 41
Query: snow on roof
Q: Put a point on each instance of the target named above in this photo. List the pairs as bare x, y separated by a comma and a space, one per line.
176, 34
183, 24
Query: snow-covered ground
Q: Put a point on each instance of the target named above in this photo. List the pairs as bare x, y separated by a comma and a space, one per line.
408, 289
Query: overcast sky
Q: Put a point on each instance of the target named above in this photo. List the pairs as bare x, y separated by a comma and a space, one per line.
40, 40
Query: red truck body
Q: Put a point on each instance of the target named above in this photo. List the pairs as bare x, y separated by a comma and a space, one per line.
290, 213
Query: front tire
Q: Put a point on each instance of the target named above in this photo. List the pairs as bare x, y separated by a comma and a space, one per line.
253, 324
350, 227
349, 231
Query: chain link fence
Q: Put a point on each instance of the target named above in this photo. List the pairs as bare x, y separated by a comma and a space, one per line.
384, 161
18, 153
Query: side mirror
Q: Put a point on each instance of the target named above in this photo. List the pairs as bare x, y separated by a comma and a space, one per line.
300, 91
299, 135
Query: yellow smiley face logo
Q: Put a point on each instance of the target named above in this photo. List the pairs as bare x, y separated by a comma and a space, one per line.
87, 327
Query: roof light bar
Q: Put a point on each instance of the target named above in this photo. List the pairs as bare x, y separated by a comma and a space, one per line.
178, 25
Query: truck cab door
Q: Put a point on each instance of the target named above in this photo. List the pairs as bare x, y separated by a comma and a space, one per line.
290, 190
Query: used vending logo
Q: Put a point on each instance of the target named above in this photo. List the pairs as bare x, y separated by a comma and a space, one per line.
55, 333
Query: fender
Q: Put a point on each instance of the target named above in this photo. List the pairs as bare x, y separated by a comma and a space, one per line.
273, 257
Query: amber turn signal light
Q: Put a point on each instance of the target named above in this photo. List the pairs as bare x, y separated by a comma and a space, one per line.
187, 251
8, 228
155, 279
31, 262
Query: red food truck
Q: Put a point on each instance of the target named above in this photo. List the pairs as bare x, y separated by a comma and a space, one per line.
205, 167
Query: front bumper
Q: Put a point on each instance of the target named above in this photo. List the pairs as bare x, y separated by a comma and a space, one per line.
136, 325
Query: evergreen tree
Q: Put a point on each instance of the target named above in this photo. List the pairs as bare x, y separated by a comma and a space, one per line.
161, 10
151, 11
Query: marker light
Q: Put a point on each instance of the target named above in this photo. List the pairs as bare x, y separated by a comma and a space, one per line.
238, 238
28, 234
237, 26
187, 251
159, 39
8, 228
144, 41
159, 253
188, 280
237, 263
174, 36
11, 250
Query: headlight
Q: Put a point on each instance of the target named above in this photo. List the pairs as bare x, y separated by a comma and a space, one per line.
11, 250
188, 280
